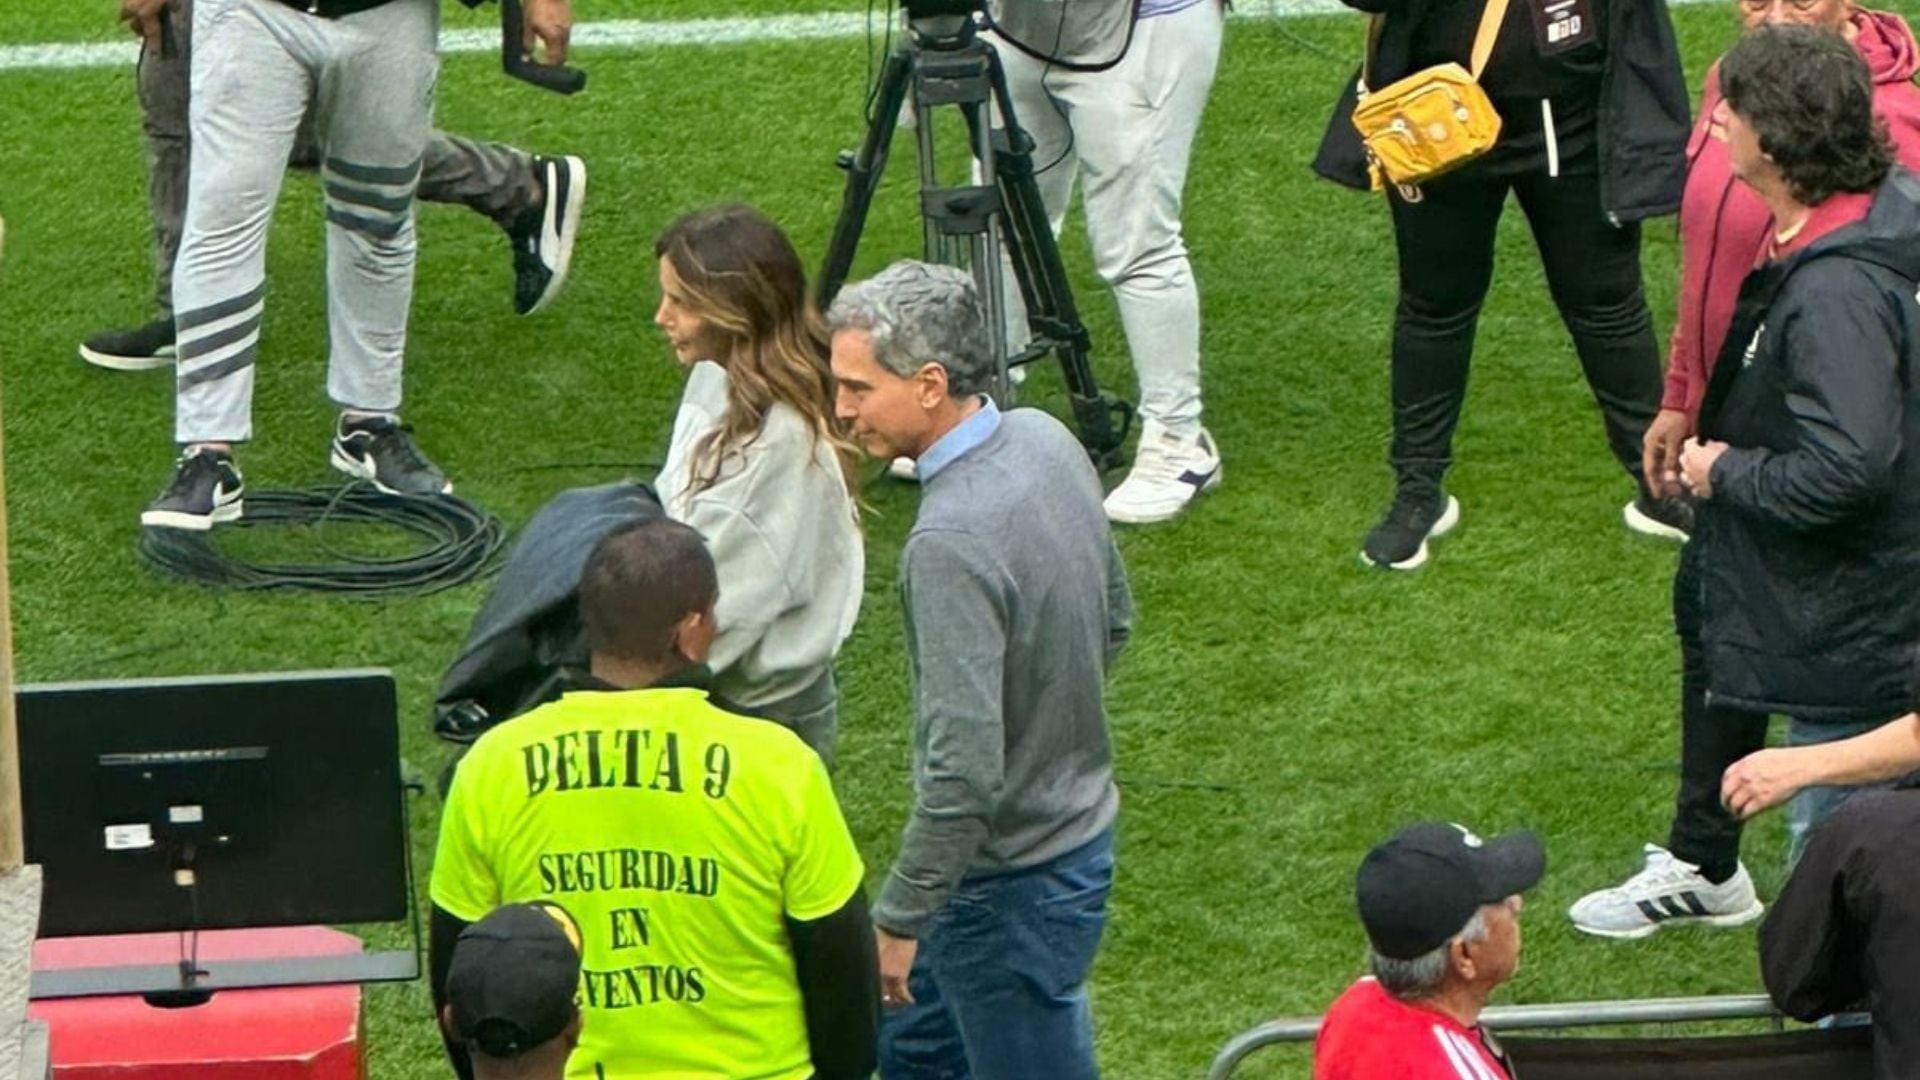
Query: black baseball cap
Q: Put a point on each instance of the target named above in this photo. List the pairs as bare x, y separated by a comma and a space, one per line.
513, 978
1421, 886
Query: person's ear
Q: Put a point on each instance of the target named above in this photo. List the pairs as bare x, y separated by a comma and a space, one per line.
1460, 958
572, 1033
931, 385
693, 635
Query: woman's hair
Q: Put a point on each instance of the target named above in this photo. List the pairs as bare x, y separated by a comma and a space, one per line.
741, 276
1808, 95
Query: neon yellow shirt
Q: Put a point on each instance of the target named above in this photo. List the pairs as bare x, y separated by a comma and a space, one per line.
678, 836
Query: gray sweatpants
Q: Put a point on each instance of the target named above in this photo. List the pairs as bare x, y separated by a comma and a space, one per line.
489, 178
258, 66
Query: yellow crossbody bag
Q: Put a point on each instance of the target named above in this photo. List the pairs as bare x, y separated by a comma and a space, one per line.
1434, 120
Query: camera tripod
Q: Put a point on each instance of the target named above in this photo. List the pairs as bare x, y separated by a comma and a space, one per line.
943, 61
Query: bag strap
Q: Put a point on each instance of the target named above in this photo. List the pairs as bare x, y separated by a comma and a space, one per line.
1490, 20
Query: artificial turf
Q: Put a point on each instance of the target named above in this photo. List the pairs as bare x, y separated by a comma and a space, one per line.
1281, 707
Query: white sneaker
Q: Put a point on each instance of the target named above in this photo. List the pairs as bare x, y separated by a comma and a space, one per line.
1665, 891
1167, 473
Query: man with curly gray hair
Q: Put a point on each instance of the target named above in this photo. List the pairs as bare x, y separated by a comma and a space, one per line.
1016, 604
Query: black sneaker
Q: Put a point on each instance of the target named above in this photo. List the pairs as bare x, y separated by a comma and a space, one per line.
380, 450
141, 348
206, 489
1419, 513
1669, 518
543, 235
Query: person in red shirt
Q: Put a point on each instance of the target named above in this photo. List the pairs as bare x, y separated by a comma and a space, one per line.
1724, 232
1441, 909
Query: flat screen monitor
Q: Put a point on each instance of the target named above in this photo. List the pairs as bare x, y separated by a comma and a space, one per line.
214, 802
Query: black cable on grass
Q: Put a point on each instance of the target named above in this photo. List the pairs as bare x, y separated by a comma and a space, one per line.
460, 542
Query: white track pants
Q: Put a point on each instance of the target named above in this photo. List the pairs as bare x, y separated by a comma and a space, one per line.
1126, 134
257, 67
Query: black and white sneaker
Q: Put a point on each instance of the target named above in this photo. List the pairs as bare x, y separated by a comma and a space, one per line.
1669, 518
543, 235
1420, 512
139, 348
380, 450
206, 490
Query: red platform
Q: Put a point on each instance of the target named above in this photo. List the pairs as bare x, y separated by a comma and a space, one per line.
290, 1033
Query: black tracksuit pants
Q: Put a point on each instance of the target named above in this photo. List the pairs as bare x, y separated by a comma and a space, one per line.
1712, 737
1445, 243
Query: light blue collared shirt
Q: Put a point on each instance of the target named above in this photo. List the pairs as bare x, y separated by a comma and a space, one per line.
965, 435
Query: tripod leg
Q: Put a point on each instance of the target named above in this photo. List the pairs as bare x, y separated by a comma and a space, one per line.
1052, 314
864, 168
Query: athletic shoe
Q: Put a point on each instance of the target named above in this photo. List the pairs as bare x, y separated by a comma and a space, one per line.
1420, 512
1168, 472
1669, 518
1665, 891
903, 468
140, 348
380, 450
543, 235
206, 489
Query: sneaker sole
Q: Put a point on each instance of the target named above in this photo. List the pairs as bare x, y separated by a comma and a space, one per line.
360, 471
1646, 526
113, 362
177, 519
1448, 519
569, 229
1124, 516
1738, 918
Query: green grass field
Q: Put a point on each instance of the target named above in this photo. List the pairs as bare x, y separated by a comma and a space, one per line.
1281, 708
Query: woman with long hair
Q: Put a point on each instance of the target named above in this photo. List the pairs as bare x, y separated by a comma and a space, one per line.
760, 466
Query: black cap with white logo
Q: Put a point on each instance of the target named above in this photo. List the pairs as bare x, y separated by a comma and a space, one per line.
1423, 885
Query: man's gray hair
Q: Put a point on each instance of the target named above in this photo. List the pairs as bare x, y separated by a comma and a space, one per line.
916, 314
1422, 976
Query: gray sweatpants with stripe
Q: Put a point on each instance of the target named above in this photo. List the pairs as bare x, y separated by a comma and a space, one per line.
257, 68
488, 178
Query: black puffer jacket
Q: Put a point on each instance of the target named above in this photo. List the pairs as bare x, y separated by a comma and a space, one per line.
1811, 541
1643, 122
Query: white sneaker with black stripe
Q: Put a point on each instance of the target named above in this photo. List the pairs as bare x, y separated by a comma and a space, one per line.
1666, 892
1169, 471
543, 235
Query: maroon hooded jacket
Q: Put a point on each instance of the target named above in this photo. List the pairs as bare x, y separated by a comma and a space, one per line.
1723, 224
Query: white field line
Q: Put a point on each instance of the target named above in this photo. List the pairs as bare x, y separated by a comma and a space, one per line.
620, 34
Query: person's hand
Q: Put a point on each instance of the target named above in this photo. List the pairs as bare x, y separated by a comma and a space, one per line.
896, 960
550, 23
1696, 465
1660, 451
1761, 780
143, 17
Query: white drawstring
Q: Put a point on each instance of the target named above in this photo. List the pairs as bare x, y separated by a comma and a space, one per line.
1553, 141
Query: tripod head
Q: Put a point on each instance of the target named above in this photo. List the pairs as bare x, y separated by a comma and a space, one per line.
943, 24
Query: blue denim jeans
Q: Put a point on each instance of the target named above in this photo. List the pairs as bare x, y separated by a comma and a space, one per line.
999, 982
1811, 805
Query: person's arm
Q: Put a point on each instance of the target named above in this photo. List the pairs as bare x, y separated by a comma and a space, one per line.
756, 582
957, 633
1843, 391
1119, 604
839, 975
1767, 778
443, 930
1810, 947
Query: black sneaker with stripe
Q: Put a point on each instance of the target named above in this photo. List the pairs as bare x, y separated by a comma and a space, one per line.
206, 490
380, 450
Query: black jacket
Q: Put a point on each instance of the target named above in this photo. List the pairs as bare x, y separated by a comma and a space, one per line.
1845, 931
1811, 542
1643, 122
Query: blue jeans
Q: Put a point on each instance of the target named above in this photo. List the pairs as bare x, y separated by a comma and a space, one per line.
1811, 805
999, 982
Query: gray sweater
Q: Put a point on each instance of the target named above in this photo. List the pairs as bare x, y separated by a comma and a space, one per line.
1016, 604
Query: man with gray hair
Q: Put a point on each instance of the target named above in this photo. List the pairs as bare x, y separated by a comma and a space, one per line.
1441, 908
1016, 605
